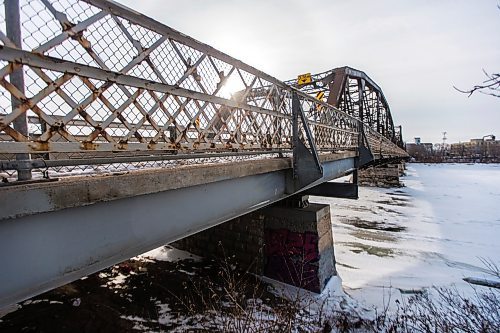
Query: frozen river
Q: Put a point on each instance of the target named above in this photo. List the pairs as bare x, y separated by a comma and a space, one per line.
434, 231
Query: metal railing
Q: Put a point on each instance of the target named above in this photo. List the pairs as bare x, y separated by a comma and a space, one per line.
90, 81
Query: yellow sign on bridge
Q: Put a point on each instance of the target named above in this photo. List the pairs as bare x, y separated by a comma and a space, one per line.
320, 95
304, 79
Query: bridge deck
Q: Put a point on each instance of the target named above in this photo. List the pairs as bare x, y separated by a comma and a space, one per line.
68, 229
41, 197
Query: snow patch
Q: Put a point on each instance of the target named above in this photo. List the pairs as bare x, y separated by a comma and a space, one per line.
167, 253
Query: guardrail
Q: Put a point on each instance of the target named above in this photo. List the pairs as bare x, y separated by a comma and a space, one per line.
85, 82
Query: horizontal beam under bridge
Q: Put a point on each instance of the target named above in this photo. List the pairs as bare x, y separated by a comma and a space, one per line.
47, 239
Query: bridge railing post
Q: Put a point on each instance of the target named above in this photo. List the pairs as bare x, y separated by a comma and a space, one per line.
13, 29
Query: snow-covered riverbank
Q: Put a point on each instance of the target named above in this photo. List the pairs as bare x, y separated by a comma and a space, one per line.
432, 232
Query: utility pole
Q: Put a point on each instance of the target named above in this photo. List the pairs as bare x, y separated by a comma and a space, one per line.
443, 146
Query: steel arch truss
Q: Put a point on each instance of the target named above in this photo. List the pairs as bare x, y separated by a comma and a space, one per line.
353, 92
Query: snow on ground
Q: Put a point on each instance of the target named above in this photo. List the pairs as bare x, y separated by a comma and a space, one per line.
167, 253
432, 232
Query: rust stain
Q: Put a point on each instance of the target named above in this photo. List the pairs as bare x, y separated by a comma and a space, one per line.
39, 146
12, 67
120, 117
138, 136
88, 145
57, 126
122, 145
84, 42
82, 112
67, 25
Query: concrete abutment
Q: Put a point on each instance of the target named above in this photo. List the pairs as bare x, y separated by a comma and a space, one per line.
288, 244
382, 176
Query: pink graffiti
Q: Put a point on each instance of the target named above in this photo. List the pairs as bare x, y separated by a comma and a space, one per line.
284, 242
292, 257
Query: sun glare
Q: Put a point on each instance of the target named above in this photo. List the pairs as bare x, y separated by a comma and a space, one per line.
232, 85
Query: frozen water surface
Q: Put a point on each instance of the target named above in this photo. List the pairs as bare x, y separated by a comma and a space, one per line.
432, 232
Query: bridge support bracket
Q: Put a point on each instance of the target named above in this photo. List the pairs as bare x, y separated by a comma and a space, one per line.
306, 165
335, 190
365, 153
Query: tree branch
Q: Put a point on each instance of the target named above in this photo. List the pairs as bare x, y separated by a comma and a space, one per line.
491, 86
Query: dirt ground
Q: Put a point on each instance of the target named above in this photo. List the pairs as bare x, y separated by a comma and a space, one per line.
135, 295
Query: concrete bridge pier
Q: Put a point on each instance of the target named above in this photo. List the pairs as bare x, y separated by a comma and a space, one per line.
401, 168
386, 175
284, 242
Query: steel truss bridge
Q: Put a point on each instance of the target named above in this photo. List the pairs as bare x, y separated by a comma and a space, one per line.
353, 92
119, 134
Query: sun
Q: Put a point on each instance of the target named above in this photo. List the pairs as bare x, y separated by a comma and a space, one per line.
232, 85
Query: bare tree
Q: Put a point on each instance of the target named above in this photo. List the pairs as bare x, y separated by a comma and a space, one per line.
490, 86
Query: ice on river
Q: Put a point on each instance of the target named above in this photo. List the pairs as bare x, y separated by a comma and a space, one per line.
432, 232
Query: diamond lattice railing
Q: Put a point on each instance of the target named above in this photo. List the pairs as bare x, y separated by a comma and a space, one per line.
100, 78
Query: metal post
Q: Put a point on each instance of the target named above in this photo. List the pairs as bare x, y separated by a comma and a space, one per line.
295, 130
387, 128
361, 89
378, 113
13, 25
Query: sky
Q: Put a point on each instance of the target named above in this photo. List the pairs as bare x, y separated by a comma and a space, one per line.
416, 51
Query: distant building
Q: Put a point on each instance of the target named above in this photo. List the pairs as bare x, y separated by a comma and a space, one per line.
486, 149
419, 150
